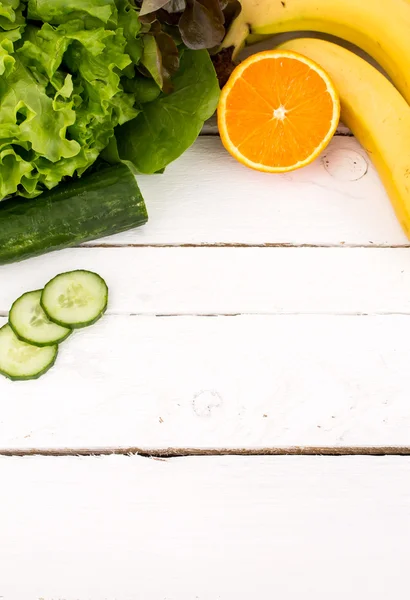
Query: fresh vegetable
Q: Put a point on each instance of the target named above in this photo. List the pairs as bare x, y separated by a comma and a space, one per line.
169, 124
75, 299
223, 65
380, 27
201, 23
72, 71
20, 361
28, 343
278, 111
103, 203
31, 324
376, 113
62, 94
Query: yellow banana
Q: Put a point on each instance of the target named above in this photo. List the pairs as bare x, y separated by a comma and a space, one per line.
375, 112
379, 27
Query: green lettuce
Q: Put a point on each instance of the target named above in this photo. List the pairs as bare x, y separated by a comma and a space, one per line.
61, 11
168, 125
60, 91
11, 14
76, 75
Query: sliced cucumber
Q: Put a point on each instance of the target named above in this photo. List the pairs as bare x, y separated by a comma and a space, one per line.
31, 324
75, 299
20, 361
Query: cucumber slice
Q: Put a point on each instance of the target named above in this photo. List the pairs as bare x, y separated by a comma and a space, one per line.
75, 299
31, 324
20, 361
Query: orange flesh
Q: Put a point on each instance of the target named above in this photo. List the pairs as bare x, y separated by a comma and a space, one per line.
304, 111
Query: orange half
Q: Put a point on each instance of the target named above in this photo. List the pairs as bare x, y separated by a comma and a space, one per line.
278, 111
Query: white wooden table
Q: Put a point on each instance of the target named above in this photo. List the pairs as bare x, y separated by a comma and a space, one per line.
255, 315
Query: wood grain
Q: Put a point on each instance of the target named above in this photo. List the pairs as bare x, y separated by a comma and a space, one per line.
248, 382
172, 281
131, 528
206, 197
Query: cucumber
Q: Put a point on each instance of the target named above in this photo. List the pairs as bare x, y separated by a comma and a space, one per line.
31, 324
20, 361
75, 299
103, 203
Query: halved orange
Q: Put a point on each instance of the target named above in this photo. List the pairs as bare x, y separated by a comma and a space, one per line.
278, 111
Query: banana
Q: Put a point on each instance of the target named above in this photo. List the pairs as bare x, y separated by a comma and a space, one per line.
375, 112
379, 27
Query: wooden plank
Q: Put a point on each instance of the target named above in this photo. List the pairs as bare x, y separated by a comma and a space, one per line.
219, 382
206, 197
209, 528
231, 280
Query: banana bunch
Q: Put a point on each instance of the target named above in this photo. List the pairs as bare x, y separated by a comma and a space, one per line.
377, 112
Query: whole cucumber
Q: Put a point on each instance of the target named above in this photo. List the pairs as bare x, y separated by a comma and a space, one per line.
106, 202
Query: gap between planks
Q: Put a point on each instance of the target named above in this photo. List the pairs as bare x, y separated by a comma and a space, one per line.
5, 314
166, 453
244, 245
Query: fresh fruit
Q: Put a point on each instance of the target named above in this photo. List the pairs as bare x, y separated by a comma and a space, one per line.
20, 361
380, 27
277, 112
376, 113
104, 203
31, 324
75, 299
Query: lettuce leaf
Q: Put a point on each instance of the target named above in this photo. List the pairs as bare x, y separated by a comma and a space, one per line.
32, 126
57, 12
61, 95
128, 20
201, 23
11, 14
78, 75
168, 125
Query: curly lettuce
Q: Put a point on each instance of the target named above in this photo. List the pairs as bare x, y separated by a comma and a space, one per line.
73, 75
61, 95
